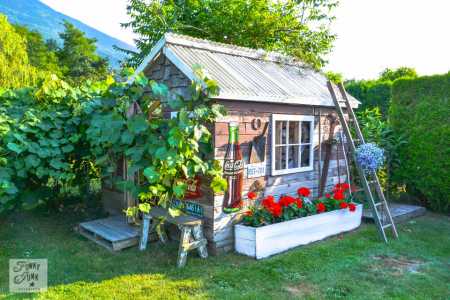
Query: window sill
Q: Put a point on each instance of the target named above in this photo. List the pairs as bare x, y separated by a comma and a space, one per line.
291, 171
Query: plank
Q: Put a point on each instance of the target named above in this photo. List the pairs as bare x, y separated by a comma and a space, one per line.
159, 212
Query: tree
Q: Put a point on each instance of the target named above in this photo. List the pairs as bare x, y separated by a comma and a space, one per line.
15, 69
78, 58
334, 77
39, 53
393, 74
298, 28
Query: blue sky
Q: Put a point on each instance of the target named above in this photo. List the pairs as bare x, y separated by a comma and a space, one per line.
372, 34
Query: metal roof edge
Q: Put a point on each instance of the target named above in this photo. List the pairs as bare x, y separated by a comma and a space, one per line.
259, 54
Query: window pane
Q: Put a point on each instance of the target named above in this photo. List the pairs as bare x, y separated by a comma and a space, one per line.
280, 157
306, 130
305, 155
293, 132
293, 157
280, 132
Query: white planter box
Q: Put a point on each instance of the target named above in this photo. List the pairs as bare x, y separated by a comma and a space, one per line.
261, 242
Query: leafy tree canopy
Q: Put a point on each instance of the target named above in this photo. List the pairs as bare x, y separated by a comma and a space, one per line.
78, 58
39, 52
15, 68
298, 28
393, 74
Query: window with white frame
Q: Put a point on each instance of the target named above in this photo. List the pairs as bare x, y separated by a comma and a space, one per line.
292, 143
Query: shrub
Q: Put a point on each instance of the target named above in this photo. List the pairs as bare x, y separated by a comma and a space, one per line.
420, 111
54, 138
372, 93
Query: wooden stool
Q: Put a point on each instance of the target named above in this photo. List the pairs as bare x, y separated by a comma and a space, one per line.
190, 227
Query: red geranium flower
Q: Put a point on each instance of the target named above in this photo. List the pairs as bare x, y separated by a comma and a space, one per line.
339, 195
342, 186
268, 202
304, 192
276, 210
343, 204
320, 207
252, 195
351, 207
299, 202
328, 195
286, 201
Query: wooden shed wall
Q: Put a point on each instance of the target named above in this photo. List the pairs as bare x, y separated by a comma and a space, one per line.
218, 226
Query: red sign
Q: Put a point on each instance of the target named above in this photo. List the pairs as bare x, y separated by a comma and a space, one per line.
193, 188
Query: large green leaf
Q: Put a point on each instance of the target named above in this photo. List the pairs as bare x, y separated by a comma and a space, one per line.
137, 124
15, 147
151, 174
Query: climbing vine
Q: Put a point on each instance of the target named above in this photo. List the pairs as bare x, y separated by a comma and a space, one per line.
56, 138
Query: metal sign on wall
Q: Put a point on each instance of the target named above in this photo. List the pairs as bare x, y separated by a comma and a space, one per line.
256, 170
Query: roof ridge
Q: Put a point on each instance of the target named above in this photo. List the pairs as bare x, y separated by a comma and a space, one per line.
260, 54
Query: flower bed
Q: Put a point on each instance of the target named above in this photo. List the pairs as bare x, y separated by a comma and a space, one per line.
271, 227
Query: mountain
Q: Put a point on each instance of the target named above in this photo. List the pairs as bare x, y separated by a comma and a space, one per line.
38, 16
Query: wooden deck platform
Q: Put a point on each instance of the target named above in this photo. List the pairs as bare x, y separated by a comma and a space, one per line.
112, 233
400, 212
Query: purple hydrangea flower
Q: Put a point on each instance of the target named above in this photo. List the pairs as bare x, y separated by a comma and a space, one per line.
370, 157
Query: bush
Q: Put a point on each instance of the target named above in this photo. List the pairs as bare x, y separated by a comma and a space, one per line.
420, 111
54, 138
372, 93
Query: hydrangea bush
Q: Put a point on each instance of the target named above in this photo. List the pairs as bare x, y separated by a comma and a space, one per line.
370, 157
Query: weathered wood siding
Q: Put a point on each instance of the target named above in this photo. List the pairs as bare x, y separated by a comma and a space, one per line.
218, 226
245, 113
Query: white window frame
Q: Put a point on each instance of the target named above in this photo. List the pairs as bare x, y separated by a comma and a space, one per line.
299, 118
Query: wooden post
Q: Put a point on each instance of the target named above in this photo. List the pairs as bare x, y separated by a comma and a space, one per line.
197, 232
184, 244
145, 231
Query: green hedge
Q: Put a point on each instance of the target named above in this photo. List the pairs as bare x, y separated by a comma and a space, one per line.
420, 110
372, 93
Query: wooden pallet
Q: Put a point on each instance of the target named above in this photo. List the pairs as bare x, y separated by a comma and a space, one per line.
113, 233
400, 212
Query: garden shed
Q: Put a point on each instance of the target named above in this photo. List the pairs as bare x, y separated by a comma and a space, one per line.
284, 119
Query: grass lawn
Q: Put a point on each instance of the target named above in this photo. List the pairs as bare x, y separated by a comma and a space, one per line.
353, 265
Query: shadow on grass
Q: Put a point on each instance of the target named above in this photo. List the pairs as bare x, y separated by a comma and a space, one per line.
344, 266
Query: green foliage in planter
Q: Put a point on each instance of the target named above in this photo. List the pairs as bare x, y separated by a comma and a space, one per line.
420, 111
55, 137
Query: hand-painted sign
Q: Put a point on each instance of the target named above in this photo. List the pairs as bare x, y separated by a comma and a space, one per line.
189, 207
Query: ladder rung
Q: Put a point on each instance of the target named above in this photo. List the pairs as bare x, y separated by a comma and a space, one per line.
387, 225
378, 204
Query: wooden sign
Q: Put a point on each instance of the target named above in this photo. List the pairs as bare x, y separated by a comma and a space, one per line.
189, 207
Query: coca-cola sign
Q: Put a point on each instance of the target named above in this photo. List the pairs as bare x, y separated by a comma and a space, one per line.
233, 167
233, 170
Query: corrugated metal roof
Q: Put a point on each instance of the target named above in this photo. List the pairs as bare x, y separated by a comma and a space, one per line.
248, 74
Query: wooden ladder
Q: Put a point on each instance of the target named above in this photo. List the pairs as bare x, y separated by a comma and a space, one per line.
370, 182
